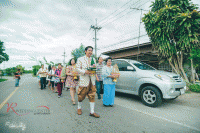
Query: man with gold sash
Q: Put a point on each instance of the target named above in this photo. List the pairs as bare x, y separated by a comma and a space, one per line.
87, 81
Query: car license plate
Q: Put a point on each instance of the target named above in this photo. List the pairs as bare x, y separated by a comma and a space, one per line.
182, 91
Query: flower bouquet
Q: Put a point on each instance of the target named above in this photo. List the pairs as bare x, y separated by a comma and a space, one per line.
75, 73
92, 68
115, 72
63, 74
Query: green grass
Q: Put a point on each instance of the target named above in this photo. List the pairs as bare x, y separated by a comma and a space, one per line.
34, 75
1, 80
187, 91
194, 88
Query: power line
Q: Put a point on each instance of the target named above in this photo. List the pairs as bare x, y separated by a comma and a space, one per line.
117, 18
122, 42
122, 36
107, 17
89, 35
115, 11
122, 15
118, 13
139, 28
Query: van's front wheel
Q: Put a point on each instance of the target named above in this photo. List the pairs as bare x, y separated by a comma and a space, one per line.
151, 96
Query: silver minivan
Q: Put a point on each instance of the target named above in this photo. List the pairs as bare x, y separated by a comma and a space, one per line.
147, 82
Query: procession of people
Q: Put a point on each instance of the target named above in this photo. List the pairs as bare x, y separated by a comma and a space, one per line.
89, 76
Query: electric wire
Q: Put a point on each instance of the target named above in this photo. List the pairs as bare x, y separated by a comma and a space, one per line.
115, 11
127, 40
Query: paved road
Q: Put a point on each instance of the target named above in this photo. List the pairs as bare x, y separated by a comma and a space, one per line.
128, 115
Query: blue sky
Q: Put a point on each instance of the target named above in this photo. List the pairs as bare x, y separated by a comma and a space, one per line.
38, 28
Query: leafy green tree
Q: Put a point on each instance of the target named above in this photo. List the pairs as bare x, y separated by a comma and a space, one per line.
195, 61
42, 62
35, 69
52, 63
28, 71
173, 28
36, 60
46, 61
195, 55
21, 68
57, 64
78, 52
3, 56
11, 71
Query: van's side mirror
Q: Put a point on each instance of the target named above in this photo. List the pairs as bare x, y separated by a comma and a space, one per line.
130, 68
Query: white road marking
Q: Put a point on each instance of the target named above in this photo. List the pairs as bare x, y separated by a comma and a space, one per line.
182, 124
13, 125
5, 101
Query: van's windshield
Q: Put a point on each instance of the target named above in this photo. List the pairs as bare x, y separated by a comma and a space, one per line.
143, 66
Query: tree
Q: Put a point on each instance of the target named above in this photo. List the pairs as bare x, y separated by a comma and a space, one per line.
21, 68
78, 52
173, 28
52, 63
28, 71
46, 61
195, 61
11, 71
195, 55
42, 62
57, 64
35, 69
3, 56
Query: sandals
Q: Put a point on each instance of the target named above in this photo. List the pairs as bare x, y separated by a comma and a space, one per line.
73, 102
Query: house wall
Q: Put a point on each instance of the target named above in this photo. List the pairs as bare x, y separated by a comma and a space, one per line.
146, 55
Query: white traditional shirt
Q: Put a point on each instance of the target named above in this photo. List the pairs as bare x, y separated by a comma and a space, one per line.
52, 72
42, 74
82, 64
106, 71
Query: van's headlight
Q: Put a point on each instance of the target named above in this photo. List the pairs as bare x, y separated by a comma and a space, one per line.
164, 77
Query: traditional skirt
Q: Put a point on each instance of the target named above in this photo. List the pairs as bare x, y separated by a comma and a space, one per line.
109, 94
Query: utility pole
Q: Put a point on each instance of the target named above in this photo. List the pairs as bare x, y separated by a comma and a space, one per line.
95, 29
64, 58
139, 29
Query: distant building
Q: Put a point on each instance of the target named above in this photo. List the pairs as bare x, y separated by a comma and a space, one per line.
146, 54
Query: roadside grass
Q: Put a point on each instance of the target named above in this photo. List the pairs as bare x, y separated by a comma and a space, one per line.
34, 75
194, 88
188, 91
8, 76
1, 80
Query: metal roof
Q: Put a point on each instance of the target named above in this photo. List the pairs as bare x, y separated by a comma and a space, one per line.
126, 48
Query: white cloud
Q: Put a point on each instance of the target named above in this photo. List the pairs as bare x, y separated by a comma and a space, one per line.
44, 28
5, 28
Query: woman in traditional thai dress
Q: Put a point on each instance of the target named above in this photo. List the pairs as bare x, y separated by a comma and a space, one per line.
70, 81
109, 85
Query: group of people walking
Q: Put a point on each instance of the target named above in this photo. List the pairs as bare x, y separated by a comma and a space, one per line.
88, 83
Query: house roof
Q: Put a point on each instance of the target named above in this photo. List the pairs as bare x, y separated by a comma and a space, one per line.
126, 48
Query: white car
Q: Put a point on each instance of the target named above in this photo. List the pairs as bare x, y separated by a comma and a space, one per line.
145, 81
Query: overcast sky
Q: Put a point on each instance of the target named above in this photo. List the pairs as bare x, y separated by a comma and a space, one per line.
38, 28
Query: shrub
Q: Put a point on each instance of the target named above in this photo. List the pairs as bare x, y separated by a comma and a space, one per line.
35, 69
194, 88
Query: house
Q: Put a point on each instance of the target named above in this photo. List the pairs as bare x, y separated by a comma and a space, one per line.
145, 54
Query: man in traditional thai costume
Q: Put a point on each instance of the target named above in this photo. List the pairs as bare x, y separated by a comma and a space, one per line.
87, 81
